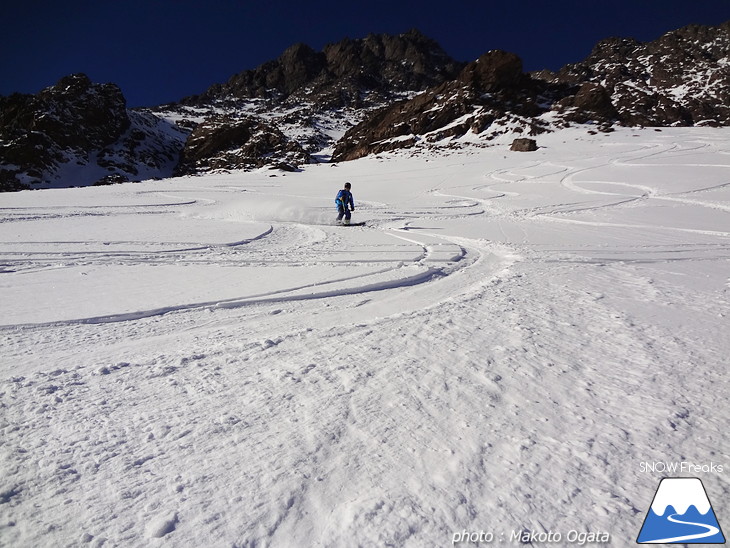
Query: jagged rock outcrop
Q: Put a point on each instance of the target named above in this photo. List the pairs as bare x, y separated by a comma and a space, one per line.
494, 71
38, 131
385, 64
230, 143
682, 78
343, 74
78, 124
523, 144
492, 89
298, 65
310, 97
592, 102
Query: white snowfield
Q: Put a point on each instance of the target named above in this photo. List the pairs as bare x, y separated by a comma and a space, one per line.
209, 361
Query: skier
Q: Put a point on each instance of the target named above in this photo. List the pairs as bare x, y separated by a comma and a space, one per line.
344, 198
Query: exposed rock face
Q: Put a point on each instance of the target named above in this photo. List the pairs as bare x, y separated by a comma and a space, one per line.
524, 145
386, 63
37, 130
228, 143
311, 97
493, 71
683, 78
298, 65
491, 89
591, 102
342, 73
77, 123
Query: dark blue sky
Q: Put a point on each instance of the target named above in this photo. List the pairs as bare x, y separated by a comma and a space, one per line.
159, 51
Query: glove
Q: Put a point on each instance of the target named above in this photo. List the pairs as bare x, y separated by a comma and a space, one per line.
352, 209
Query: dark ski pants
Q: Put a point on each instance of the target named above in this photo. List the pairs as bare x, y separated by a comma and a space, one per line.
343, 211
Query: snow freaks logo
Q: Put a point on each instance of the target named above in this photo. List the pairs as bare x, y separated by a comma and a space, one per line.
681, 513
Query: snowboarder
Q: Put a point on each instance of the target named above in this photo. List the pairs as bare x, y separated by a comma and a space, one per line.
343, 200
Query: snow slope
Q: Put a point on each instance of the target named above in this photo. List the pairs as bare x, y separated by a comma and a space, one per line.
207, 361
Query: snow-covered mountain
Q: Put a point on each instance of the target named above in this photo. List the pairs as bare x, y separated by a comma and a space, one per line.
681, 79
293, 110
491, 96
354, 98
78, 133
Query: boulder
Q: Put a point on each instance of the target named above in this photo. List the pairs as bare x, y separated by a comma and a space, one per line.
524, 145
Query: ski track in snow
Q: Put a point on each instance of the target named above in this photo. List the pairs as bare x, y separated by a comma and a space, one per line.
208, 361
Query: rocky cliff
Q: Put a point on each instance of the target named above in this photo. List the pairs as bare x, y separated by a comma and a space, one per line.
683, 78
77, 133
292, 110
347, 73
490, 96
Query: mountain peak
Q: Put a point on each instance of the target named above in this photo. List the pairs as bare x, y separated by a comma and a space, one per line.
682, 78
404, 62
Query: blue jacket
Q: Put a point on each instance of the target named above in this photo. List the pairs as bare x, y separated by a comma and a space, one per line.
344, 197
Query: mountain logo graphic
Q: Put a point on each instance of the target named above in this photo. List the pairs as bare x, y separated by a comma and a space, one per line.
681, 513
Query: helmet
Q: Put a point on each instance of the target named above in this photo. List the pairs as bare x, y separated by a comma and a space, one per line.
347, 185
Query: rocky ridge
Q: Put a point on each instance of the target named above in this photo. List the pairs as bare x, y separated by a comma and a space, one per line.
358, 97
349, 73
77, 133
292, 110
683, 78
489, 97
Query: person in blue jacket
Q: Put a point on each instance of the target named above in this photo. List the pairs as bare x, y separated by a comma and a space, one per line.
344, 200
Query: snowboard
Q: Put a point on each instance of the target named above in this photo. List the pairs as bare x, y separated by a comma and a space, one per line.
353, 224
